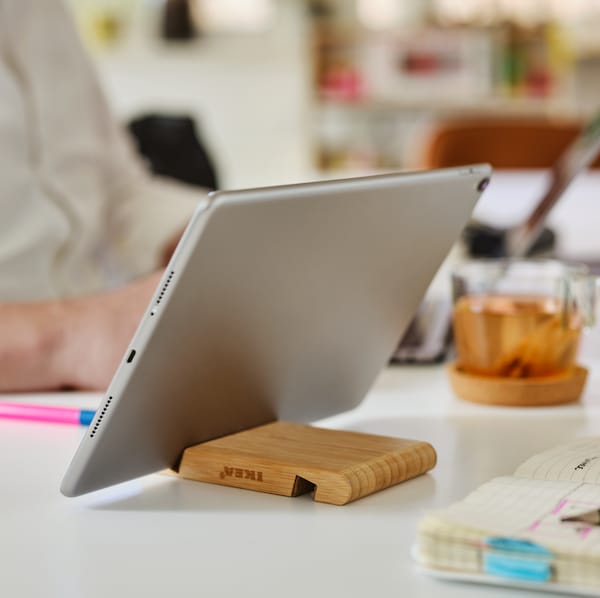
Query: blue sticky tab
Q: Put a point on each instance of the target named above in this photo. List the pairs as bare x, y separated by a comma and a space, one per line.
86, 416
514, 567
517, 559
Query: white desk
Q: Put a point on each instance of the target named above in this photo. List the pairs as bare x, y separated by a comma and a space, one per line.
162, 536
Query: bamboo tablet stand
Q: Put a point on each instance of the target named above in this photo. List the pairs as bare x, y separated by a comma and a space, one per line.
518, 392
290, 459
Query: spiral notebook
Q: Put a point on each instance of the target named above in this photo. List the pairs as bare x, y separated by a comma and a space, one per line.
539, 528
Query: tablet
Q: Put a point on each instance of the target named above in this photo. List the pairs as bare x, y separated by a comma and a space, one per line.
278, 303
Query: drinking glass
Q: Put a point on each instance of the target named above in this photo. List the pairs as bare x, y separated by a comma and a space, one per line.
520, 318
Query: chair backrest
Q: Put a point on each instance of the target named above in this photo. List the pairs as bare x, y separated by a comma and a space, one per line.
504, 143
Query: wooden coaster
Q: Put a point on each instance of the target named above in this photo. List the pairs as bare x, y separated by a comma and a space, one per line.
518, 392
290, 459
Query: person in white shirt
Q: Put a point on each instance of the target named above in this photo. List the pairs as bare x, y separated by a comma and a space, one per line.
84, 229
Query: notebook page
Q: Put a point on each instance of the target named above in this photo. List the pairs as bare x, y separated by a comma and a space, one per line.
528, 509
577, 461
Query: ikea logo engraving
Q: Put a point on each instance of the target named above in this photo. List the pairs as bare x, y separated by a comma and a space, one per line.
238, 472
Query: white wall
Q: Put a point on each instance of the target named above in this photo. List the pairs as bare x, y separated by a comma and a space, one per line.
250, 94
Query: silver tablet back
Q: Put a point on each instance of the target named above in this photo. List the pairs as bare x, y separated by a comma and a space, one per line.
279, 303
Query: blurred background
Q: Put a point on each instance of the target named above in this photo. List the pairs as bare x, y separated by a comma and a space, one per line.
289, 90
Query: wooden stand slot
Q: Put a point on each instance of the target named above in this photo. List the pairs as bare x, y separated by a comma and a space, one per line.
290, 459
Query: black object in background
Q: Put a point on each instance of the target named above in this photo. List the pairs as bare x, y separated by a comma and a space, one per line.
173, 148
177, 20
483, 240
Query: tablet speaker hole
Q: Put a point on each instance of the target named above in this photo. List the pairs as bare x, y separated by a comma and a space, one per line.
164, 288
100, 417
131, 356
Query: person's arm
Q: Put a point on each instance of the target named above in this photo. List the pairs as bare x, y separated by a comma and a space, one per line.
78, 211
74, 184
70, 343
147, 219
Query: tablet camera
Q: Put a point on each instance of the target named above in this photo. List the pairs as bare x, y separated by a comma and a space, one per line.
483, 184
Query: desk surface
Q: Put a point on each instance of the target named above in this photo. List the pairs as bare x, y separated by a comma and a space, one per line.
161, 536
164, 536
